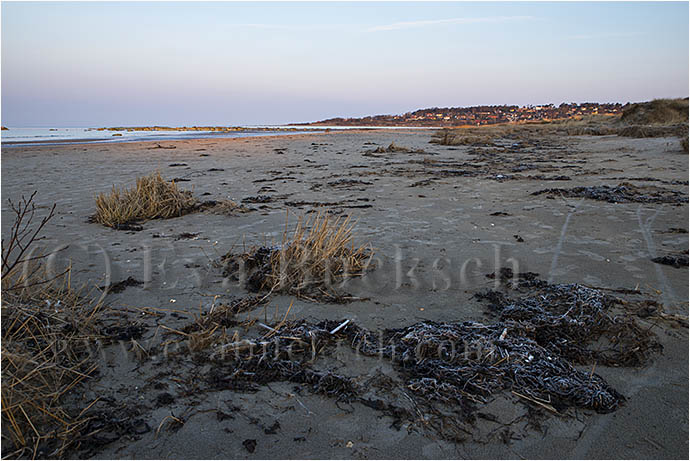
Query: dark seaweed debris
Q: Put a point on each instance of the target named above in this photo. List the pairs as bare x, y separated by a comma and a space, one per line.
622, 193
455, 364
108, 423
574, 321
128, 227
450, 369
249, 445
677, 261
345, 183
258, 199
122, 285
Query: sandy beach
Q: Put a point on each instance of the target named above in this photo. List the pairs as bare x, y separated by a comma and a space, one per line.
439, 218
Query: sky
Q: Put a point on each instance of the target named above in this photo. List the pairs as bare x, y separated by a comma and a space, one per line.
123, 64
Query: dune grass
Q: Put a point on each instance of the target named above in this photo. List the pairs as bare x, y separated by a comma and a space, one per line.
318, 252
461, 137
46, 336
310, 262
657, 112
152, 197
47, 328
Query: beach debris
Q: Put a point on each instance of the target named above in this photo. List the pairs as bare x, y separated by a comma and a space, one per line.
622, 193
423, 182
392, 148
122, 285
222, 207
675, 260
341, 204
187, 236
164, 398
571, 320
258, 199
345, 183
128, 227
448, 371
249, 445
675, 230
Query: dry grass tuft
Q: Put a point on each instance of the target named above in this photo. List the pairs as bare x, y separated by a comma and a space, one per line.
151, 198
47, 328
213, 328
46, 338
308, 263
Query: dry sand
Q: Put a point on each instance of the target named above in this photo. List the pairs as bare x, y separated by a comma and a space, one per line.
452, 216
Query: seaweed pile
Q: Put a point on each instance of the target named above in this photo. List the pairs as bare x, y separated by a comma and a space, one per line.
573, 321
675, 260
452, 368
622, 193
516, 156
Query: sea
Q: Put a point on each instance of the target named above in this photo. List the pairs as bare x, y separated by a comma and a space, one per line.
34, 136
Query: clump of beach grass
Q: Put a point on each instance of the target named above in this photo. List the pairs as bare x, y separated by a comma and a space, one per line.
46, 338
152, 197
47, 330
309, 262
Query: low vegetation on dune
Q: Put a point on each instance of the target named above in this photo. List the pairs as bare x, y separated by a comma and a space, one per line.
450, 137
656, 112
658, 118
152, 197
309, 262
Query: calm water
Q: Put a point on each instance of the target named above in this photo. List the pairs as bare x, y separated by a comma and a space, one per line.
61, 135
27, 136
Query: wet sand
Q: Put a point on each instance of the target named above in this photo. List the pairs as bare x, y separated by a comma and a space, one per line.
465, 205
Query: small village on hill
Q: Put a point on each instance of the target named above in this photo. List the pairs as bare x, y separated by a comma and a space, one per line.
480, 115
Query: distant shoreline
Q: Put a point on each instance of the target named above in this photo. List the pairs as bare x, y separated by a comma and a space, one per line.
140, 134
